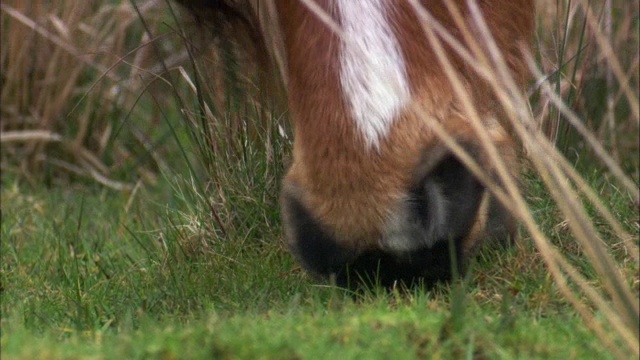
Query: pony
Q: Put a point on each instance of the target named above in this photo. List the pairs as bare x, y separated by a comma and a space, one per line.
373, 196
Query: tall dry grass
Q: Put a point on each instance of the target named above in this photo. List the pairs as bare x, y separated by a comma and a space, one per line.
72, 74
592, 63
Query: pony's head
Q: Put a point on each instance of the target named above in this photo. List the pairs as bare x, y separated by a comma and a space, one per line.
374, 194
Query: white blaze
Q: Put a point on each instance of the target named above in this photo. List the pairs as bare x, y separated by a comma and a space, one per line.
372, 68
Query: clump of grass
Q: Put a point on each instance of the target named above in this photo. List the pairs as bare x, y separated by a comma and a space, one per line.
237, 144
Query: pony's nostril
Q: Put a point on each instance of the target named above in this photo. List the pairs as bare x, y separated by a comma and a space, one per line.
460, 194
442, 204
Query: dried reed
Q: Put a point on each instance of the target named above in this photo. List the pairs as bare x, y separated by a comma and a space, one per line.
71, 74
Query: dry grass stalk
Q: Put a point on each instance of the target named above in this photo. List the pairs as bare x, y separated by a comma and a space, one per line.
584, 47
623, 316
65, 72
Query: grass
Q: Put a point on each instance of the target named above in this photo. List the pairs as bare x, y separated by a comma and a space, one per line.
133, 229
89, 273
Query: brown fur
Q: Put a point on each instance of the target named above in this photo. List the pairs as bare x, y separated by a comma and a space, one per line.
351, 190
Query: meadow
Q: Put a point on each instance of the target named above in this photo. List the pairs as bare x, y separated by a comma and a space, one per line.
140, 217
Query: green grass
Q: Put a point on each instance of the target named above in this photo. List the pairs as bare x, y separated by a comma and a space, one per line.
92, 273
